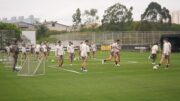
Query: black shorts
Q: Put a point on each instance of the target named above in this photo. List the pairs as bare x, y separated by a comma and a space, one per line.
61, 57
153, 56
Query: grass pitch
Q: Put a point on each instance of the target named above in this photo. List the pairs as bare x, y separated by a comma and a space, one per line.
134, 80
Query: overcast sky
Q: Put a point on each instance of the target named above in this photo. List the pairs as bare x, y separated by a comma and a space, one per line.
62, 10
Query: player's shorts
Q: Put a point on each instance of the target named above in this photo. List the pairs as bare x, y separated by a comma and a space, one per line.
45, 53
84, 58
116, 53
166, 56
37, 53
61, 57
153, 56
71, 55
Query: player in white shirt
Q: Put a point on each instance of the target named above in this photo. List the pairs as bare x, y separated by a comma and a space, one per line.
84, 55
166, 52
154, 52
60, 53
71, 51
111, 56
116, 49
94, 49
45, 50
37, 50
23, 49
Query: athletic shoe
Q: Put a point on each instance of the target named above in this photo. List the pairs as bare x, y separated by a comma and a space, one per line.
85, 70
118, 65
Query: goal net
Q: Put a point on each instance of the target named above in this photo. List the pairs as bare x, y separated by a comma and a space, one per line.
31, 67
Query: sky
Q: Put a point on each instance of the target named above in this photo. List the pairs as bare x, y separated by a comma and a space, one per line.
62, 10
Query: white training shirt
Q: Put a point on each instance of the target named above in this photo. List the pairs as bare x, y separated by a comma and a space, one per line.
80, 47
71, 49
37, 49
84, 50
167, 48
44, 47
59, 50
93, 46
116, 47
154, 49
23, 49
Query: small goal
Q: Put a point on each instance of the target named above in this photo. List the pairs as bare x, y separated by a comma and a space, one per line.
32, 67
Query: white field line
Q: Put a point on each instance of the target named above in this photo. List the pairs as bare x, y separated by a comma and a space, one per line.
68, 70
73, 71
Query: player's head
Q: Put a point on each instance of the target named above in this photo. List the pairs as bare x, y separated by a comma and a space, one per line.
86, 41
156, 43
59, 42
69, 42
117, 40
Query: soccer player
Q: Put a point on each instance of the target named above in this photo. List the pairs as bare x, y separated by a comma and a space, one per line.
23, 49
45, 50
166, 52
71, 52
37, 51
60, 53
154, 51
84, 55
15, 52
111, 56
117, 48
94, 49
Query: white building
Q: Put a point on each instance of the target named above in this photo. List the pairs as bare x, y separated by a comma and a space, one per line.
175, 17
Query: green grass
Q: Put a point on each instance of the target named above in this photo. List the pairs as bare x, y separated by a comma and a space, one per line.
130, 82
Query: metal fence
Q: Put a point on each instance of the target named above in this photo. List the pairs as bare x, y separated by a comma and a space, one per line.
128, 39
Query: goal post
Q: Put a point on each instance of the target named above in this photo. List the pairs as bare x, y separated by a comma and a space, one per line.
31, 67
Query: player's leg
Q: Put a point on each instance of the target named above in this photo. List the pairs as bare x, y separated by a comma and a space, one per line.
162, 59
167, 61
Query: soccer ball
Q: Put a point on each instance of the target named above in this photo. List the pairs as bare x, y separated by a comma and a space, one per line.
52, 60
18, 68
155, 67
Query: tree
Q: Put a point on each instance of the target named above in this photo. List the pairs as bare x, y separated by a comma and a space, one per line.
90, 18
117, 17
41, 31
155, 13
8, 26
76, 18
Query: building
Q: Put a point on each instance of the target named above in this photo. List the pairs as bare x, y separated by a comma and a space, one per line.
54, 25
31, 19
25, 26
175, 17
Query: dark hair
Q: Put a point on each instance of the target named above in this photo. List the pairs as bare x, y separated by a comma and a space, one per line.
117, 40
59, 41
86, 41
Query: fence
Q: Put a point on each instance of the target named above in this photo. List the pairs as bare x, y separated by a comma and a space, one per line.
128, 39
